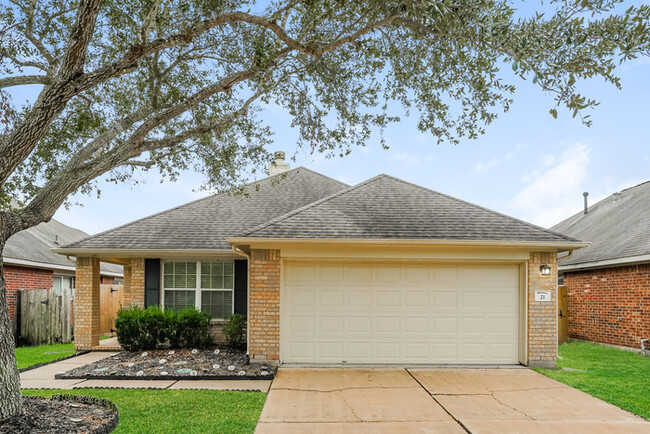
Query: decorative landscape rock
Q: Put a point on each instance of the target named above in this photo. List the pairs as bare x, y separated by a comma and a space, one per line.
190, 364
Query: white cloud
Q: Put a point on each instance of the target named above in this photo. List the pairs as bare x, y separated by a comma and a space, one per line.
555, 191
482, 167
405, 159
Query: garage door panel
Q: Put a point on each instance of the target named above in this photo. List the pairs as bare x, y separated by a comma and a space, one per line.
406, 313
388, 299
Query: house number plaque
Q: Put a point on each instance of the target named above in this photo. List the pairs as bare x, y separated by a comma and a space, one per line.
542, 295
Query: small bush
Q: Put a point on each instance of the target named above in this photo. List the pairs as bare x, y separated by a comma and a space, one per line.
234, 330
188, 328
147, 329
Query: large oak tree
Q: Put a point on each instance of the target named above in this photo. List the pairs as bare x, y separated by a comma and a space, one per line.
128, 85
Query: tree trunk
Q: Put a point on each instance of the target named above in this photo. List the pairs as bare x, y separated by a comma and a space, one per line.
10, 397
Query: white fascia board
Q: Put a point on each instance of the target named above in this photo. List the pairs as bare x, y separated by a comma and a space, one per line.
53, 267
616, 262
35, 264
144, 253
559, 246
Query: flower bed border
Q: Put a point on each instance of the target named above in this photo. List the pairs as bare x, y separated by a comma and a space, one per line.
164, 377
40, 365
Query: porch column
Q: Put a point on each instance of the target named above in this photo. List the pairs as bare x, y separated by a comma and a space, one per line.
127, 295
86, 305
134, 283
137, 282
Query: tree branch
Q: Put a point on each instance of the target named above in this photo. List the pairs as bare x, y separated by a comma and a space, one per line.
24, 80
82, 31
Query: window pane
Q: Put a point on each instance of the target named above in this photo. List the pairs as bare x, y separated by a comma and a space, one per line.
217, 275
179, 267
180, 281
205, 281
169, 268
179, 299
191, 268
191, 280
168, 281
217, 303
228, 268
228, 282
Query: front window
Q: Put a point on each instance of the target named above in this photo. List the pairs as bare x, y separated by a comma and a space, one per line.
206, 285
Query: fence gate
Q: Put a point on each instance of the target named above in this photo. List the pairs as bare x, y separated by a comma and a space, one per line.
563, 315
45, 317
110, 300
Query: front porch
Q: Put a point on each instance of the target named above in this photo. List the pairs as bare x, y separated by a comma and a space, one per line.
217, 284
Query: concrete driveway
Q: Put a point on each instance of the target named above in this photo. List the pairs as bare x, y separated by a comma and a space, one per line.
435, 401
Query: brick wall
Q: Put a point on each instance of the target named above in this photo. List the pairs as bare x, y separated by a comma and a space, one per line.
542, 315
264, 308
86, 306
107, 280
137, 282
23, 278
610, 305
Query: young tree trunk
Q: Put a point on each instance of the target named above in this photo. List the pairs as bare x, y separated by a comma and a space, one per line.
10, 397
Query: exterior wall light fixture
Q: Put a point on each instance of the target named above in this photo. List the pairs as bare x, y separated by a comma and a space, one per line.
545, 270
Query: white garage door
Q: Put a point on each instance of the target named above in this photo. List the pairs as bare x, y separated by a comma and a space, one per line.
387, 313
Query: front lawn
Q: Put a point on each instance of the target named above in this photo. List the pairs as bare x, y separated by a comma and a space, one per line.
28, 356
176, 411
617, 376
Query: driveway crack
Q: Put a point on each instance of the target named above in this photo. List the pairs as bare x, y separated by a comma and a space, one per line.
350, 407
438, 402
510, 407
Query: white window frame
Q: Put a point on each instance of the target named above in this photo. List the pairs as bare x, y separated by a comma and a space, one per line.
198, 291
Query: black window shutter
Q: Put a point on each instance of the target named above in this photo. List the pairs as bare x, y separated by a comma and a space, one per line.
241, 286
151, 282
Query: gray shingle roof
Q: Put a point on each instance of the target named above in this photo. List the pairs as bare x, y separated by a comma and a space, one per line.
389, 208
35, 244
204, 224
617, 227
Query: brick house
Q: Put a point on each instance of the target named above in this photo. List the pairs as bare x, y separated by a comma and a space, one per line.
381, 272
29, 262
608, 282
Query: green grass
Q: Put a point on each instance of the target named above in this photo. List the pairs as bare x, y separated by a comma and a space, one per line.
177, 411
28, 356
617, 376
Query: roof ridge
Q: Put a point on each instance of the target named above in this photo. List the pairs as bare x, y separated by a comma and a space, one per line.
284, 174
482, 208
309, 205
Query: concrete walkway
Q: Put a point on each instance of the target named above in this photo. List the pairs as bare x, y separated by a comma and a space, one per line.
43, 378
435, 400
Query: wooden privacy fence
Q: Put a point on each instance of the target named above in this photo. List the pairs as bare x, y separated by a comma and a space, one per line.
45, 317
110, 300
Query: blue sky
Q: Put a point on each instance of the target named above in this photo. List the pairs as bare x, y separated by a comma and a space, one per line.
527, 165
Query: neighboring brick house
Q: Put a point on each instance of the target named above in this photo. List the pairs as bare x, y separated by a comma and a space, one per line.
382, 272
29, 262
608, 282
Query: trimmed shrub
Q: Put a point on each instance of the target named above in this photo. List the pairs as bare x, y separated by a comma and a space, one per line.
139, 329
234, 330
188, 328
147, 329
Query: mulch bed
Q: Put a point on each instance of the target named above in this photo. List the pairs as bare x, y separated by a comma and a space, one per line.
214, 364
63, 414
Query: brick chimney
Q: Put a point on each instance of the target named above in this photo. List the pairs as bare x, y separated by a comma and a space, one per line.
278, 165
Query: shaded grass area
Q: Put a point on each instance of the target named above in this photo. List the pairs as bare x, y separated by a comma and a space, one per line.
617, 376
177, 411
28, 356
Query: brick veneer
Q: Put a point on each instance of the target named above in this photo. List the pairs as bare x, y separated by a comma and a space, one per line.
23, 279
542, 315
610, 305
264, 307
86, 323
134, 283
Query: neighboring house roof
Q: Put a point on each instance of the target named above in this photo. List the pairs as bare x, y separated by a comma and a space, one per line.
389, 208
204, 224
618, 228
33, 247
